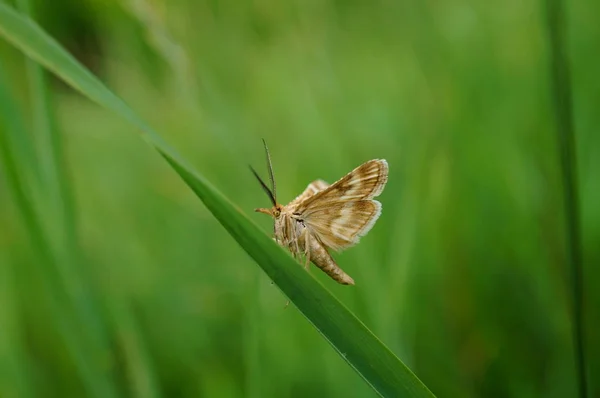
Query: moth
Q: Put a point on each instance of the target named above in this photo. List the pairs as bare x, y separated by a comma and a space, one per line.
325, 217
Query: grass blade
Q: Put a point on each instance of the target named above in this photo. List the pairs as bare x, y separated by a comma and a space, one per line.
82, 343
381, 369
563, 109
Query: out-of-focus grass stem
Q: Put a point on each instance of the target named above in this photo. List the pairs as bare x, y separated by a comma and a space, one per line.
45, 258
563, 109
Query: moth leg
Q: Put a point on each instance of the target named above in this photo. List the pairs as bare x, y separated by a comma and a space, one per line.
295, 239
296, 243
306, 237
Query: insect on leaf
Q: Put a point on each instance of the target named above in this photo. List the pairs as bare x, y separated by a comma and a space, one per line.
328, 216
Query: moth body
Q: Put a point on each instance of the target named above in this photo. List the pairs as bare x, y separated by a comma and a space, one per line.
292, 233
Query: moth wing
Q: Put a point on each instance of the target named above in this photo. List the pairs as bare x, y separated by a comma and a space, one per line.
364, 182
342, 224
343, 212
311, 189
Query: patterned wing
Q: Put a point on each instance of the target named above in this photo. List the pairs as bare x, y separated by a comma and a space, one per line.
343, 212
311, 189
342, 224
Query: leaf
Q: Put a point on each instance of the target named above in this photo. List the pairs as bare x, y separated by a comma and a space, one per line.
380, 368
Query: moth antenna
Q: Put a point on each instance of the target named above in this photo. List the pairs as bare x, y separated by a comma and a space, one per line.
264, 187
270, 167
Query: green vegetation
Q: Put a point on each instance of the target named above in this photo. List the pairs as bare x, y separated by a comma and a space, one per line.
117, 281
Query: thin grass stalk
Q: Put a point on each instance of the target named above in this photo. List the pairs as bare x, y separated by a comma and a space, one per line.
51, 152
57, 191
563, 109
44, 256
57, 187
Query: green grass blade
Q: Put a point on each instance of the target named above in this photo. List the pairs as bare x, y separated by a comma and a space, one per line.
381, 369
40, 105
346, 333
81, 343
563, 109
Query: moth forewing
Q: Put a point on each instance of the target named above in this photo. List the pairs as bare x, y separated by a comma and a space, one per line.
364, 182
345, 211
328, 216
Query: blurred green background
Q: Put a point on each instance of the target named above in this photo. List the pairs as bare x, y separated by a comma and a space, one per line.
464, 275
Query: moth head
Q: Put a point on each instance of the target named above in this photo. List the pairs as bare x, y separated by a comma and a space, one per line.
275, 211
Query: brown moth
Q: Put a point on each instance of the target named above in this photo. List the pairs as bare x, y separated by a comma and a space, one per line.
328, 216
